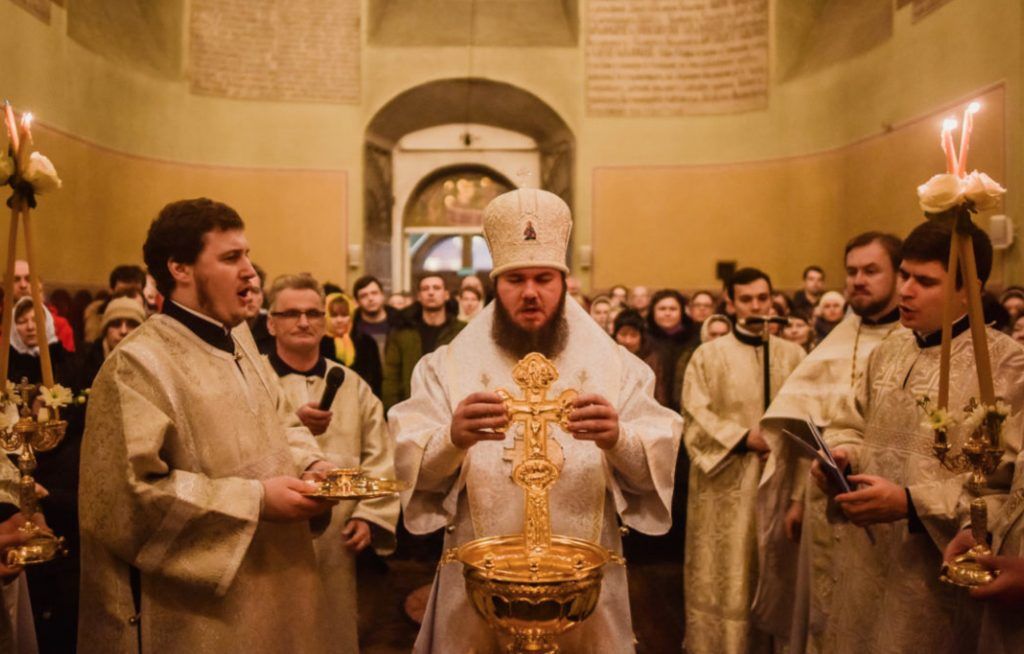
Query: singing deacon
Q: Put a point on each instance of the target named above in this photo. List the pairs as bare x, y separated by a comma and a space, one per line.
888, 597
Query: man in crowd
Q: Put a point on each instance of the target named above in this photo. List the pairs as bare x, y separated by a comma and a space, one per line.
794, 588
814, 285
640, 300
616, 455
725, 394
352, 430
195, 530
374, 318
700, 307
888, 597
423, 328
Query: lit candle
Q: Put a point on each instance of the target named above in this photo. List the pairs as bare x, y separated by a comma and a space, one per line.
25, 136
965, 135
12, 130
948, 126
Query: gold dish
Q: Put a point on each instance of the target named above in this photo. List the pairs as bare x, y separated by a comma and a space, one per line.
39, 548
352, 484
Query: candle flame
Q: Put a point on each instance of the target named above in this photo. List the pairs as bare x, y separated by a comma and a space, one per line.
949, 124
26, 119
974, 107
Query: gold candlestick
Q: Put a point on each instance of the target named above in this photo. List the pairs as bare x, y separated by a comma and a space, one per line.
26, 437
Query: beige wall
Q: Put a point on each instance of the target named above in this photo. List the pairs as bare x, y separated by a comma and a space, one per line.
668, 225
821, 161
295, 219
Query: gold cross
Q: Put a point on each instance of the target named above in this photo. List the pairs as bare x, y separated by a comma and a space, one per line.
535, 473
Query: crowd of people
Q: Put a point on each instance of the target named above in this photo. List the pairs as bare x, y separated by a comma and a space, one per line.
727, 362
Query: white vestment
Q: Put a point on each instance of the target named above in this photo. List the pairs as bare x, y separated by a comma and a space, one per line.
723, 399
178, 436
472, 491
357, 437
17, 628
795, 584
888, 598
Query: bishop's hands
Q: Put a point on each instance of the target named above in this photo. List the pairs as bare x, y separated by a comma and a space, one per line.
479, 417
484, 417
594, 419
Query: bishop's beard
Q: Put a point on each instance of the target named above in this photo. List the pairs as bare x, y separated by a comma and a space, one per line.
549, 339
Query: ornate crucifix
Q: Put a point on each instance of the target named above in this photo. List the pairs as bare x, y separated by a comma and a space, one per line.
535, 473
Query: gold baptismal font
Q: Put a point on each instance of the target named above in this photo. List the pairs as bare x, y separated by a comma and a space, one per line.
533, 586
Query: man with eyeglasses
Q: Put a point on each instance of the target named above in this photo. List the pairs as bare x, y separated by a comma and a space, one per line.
352, 432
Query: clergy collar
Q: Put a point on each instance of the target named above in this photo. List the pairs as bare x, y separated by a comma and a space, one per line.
209, 330
746, 337
935, 338
887, 319
282, 369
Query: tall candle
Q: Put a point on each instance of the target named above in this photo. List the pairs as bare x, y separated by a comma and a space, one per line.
965, 136
12, 126
25, 137
948, 126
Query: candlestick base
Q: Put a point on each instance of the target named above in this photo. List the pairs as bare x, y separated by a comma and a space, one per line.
965, 570
40, 547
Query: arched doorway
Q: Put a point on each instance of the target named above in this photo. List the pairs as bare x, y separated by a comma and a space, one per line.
458, 104
442, 223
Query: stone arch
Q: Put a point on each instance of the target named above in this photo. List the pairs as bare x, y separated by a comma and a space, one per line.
448, 101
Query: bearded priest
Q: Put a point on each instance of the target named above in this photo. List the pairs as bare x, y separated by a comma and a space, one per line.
617, 455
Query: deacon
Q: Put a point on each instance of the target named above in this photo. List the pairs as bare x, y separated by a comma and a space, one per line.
727, 387
195, 532
888, 597
351, 430
794, 587
617, 456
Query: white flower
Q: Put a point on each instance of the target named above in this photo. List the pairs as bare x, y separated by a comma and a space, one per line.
41, 174
982, 190
6, 167
55, 396
938, 420
941, 192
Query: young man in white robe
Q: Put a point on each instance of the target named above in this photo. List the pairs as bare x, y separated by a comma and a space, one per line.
195, 532
724, 397
351, 432
617, 455
795, 538
888, 597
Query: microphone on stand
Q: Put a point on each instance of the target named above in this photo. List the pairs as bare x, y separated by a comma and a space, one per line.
333, 382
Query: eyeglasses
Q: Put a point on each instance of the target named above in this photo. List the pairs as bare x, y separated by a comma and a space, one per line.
295, 314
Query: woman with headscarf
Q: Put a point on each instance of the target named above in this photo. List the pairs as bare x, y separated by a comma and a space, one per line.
25, 361
830, 311
356, 350
671, 333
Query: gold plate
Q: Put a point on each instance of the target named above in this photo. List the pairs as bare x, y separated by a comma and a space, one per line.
351, 484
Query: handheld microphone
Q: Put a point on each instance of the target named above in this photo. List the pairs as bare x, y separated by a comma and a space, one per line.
333, 381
